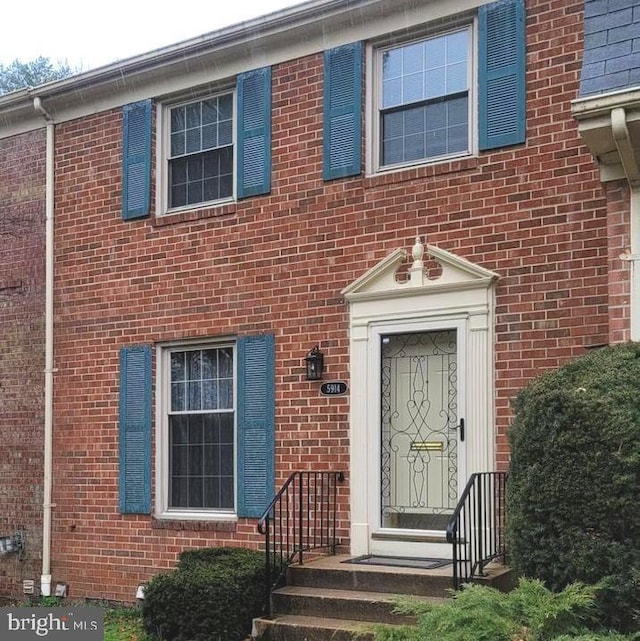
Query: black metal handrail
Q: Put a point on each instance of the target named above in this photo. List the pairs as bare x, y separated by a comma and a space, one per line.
476, 527
301, 518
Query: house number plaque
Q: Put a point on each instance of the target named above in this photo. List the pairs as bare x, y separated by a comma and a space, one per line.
333, 388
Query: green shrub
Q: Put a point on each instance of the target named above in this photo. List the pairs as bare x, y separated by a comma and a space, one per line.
221, 558
479, 613
214, 594
573, 512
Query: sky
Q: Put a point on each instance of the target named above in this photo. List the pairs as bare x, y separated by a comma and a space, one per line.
91, 34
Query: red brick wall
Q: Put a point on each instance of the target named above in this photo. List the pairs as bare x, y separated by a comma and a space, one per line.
552, 300
21, 351
535, 214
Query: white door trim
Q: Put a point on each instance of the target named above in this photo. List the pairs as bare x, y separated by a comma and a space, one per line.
461, 297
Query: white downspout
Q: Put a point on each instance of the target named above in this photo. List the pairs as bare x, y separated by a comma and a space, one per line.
635, 264
45, 579
624, 145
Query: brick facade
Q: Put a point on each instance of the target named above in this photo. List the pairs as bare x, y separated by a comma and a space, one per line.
21, 351
536, 214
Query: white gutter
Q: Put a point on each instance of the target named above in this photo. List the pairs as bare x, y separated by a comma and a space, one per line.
45, 579
249, 31
602, 104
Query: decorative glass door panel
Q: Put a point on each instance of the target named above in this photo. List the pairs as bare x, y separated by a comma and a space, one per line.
419, 431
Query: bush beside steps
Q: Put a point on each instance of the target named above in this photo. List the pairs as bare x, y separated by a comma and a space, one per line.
213, 594
530, 612
573, 512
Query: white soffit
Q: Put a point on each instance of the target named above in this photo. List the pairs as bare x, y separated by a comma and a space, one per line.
610, 126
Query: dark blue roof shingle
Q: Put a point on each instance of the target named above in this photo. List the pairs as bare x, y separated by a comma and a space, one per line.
611, 46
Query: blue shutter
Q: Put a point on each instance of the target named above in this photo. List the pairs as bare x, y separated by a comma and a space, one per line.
342, 146
256, 424
135, 429
254, 132
136, 159
501, 74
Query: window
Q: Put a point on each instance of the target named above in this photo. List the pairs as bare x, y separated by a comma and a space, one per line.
215, 428
211, 150
201, 429
449, 94
424, 99
201, 158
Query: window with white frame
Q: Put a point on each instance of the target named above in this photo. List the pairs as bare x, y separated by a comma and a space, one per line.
199, 428
424, 98
201, 151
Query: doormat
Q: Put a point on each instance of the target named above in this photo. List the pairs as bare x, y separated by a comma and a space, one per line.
399, 561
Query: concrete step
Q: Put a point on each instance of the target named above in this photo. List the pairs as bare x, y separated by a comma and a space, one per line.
500, 577
330, 600
343, 604
290, 627
345, 576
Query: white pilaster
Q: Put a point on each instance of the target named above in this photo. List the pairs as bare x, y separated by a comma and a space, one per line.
479, 421
358, 437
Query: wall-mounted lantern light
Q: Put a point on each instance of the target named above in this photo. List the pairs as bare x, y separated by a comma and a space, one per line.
12, 544
315, 364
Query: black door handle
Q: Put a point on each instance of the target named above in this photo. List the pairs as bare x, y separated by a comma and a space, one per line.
461, 428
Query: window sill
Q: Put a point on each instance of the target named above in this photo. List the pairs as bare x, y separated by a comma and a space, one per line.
214, 211
404, 174
195, 524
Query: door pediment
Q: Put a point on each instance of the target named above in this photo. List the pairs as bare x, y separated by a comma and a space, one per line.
382, 281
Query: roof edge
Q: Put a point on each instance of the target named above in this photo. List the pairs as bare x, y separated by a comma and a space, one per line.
260, 27
600, 104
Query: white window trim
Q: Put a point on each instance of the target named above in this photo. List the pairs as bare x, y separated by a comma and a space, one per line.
373, 89
163, 398
163, 146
